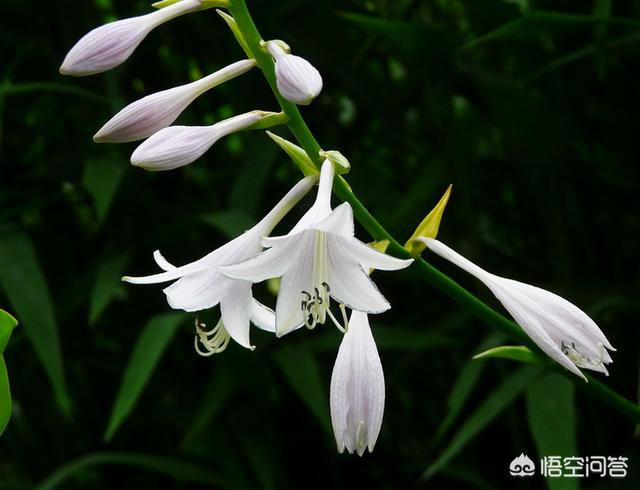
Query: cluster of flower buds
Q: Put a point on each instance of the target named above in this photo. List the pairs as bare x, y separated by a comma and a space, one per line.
151, 118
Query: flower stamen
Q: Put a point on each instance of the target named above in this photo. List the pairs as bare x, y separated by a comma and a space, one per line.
214, 341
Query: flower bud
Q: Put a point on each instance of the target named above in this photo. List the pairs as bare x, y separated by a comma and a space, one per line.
177, 146
297, 80
111, 44
154, 112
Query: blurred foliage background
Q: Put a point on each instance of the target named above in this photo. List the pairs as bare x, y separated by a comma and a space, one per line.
530, 108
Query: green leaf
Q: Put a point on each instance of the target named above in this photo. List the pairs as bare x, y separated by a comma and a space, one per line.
24, 284
483, 415
463, 387
552, 420
171, 467
301, 370
7, 324
102, 178
148, 350
231, 223
107, 284
518, 353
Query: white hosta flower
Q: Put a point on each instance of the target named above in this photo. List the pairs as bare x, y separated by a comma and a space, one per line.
297, 80
154, 112
561, 330
319, 259
177, 146
109, 45
199, 285
357, 388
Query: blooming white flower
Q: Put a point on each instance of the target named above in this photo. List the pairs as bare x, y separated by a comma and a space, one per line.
561, 330
320, 258
177, 146
297, 80
200, 285
154, 112
357, 388
109, 45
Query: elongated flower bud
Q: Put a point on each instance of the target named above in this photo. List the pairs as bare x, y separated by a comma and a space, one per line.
177, 146
297, 80
111, 44
154, 112
357, 389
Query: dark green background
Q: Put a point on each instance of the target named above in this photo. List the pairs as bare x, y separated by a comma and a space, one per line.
531, 110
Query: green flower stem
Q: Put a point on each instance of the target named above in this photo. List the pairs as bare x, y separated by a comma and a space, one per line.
426, 271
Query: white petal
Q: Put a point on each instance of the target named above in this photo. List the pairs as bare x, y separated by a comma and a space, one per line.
297, 80
339, 222
163, 263
177, 146
357, 389
452, 256
234, 309
270, 263
369, 257
350, 284
321, 207
154, 112
296, 280
109, 45
262, 317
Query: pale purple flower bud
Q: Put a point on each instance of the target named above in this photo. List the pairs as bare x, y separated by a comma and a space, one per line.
111, 44
177, 146
357, 389
154, 112
297, 80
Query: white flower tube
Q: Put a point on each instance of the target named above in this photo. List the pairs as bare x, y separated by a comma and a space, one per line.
357, 389
154, 112
109, 45
177, 146
297, 80
562, 330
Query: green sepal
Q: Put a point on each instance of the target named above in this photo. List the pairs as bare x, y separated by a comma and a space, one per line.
429, 226
340, 162
231, 22
297, 154
518, 353
206, 4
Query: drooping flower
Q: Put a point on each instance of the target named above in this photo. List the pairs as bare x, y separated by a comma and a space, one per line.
177, 146
357, 388
297, 80
319, 259
154, 112
560, 329
107, 46
199, 285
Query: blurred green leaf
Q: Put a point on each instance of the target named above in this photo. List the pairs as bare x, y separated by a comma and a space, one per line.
23, 281
482, 416
301, 370
173, 468
7, 324
107, 284
149, 348
518, 353
231, 223
463, 387
552, 420
102, 176
219, 389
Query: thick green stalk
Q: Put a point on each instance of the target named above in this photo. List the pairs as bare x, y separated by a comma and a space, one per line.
429, 273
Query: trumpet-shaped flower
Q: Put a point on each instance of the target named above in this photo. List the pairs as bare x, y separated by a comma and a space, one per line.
297, 80
319, 259
199, 285
177, 146
154, 112
560, 329
357, 388
109, 45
